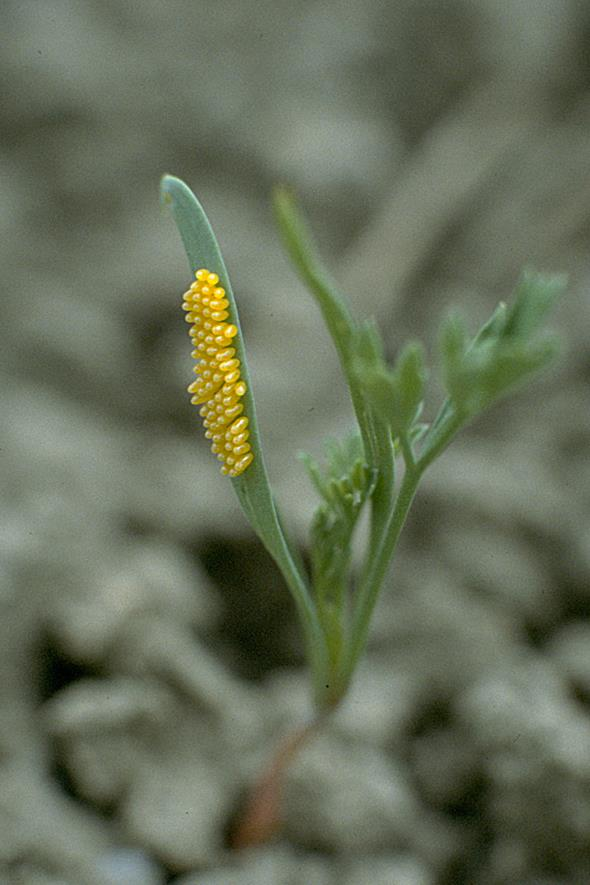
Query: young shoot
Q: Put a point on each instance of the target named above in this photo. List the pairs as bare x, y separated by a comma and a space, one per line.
390, 439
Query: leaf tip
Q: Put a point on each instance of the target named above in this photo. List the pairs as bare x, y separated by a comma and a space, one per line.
171, 187
165, 188
282, 191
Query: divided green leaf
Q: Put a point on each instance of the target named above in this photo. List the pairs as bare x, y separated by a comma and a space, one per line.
395, 394
506, 350
343, 485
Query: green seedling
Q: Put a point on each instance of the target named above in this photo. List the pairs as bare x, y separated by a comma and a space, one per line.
380, 465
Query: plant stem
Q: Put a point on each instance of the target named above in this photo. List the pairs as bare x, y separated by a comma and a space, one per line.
316, 646
445, 429
374, 578
407, 451
262, 816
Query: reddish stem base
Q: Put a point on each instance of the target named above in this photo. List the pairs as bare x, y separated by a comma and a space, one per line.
261, 817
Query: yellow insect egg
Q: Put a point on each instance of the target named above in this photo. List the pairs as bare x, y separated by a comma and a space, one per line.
218, 386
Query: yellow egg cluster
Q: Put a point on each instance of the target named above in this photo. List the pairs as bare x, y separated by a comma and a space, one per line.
218, 386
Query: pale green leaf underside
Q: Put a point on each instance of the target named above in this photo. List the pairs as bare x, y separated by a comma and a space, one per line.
202, 250
252, 486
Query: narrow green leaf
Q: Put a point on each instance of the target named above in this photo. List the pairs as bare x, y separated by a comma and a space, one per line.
333, 307
200, 243
302, 250
252, 486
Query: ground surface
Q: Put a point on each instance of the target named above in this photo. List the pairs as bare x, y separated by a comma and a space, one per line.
149, 655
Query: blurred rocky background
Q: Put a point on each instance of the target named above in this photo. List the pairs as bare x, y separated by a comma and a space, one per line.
149, 654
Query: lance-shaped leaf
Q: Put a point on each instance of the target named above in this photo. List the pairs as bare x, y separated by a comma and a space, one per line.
349, 337
335, 311
251, 484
